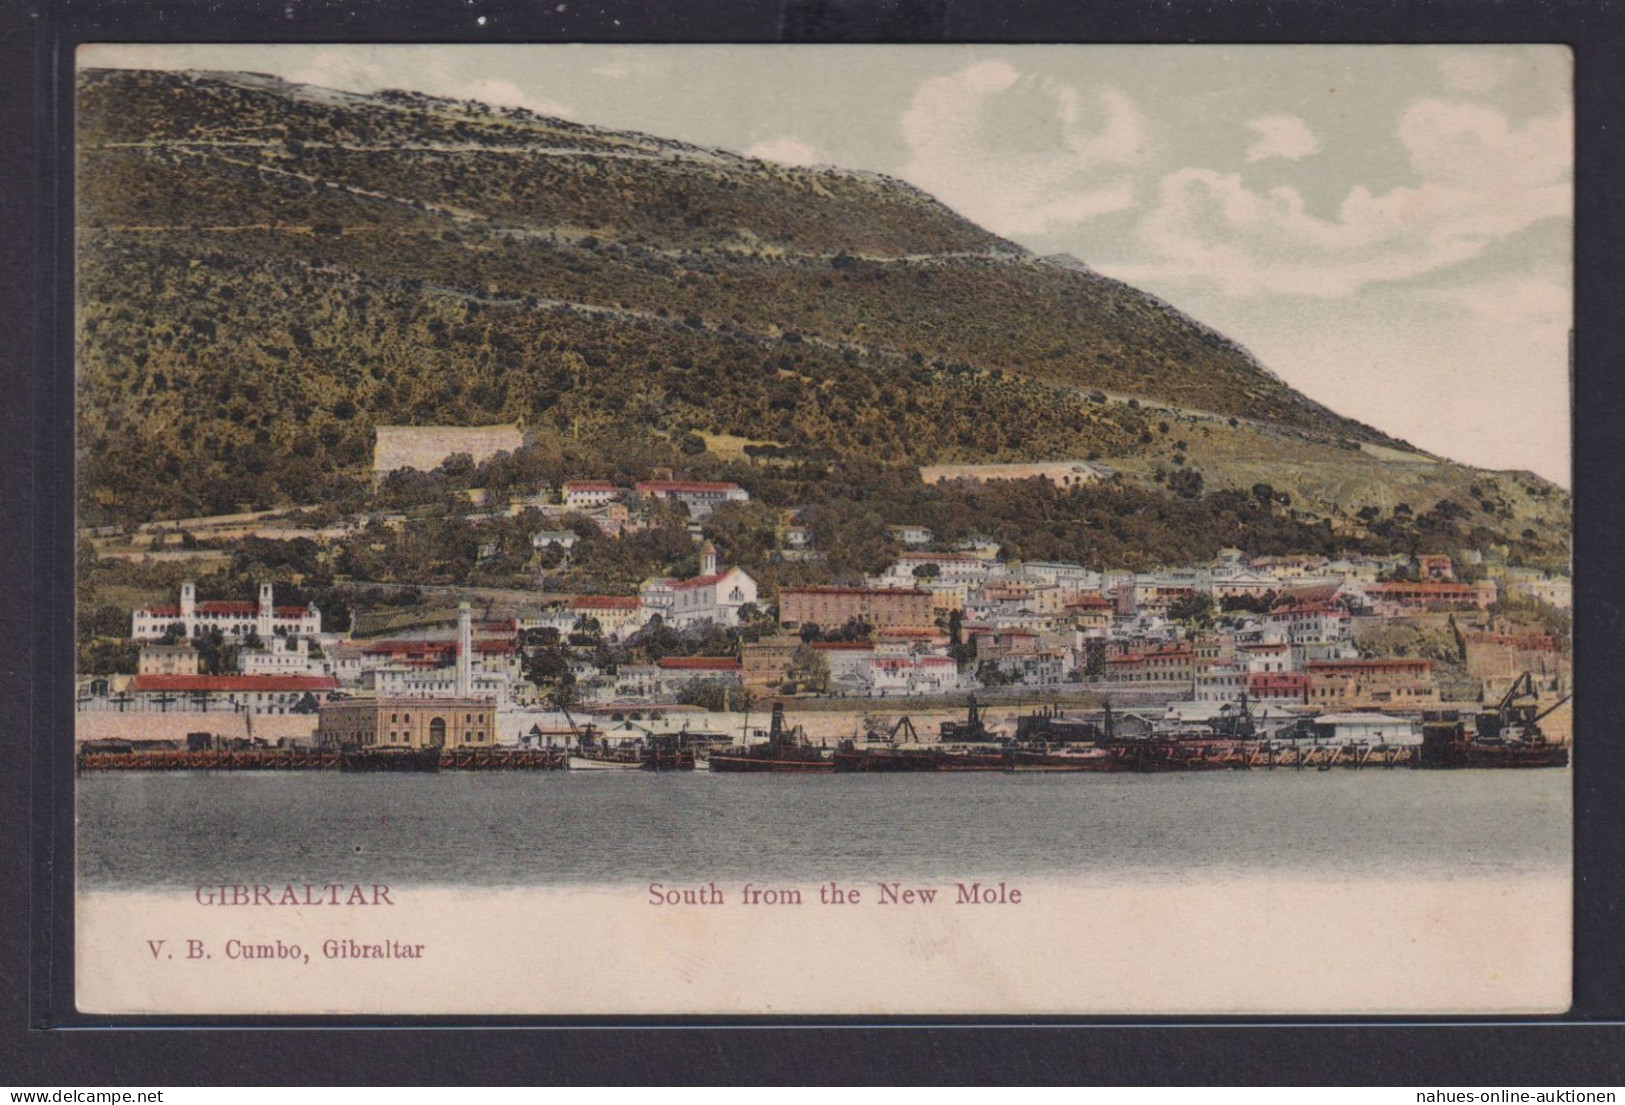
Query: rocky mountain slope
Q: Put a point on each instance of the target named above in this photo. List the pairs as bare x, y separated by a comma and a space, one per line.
267, 270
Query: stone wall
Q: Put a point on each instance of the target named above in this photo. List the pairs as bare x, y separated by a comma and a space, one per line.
426, 447
1062, 473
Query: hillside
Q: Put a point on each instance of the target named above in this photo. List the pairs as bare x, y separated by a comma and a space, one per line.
267, 270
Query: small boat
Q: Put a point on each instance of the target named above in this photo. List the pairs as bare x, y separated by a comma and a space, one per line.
786, 750
591, 760
1038, 758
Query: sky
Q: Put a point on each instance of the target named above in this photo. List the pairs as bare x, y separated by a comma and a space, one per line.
1388, 228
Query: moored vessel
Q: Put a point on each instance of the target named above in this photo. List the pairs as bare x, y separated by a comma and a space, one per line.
786, 750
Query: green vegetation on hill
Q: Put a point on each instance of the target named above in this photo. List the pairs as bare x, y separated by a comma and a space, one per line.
267, 271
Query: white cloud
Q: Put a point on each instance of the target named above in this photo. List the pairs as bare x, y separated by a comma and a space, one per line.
1479, 180
342, 69
1284, 136
504, 93
959, 152
787, 151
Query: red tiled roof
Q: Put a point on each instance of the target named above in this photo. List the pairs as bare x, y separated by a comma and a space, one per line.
228, 608
605, 602
656, 487
699, 663
1177, 653
699, 581
1280, 681
842, 646
414, 648
1332, 667
377, 648
291, 611
186, 683
588, 485
1306, 608
161, 611
850, 591
1090, 600
1421, 588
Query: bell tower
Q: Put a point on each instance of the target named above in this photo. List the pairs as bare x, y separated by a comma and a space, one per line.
189, 607
266, 626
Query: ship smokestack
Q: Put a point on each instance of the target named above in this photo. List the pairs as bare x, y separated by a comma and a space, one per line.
465, 650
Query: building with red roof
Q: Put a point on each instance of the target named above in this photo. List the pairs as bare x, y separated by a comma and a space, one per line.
833, 607
1384, 682
716, 595
699, 496
236, 620
255, 694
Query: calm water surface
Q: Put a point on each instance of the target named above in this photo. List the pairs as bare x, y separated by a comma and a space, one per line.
176, 830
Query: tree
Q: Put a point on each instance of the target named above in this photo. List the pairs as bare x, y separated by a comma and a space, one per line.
108, 657
809, 669
215, 657
548, 668
1186, 482
989, 674
715, 695
927, 571
1194, 610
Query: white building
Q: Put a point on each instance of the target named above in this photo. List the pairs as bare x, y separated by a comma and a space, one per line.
284, 656
235, 620
1365, 729
586, 494
950, 568
167, 660
911, 535
699, 496
1068, 577
713, 596
563, 539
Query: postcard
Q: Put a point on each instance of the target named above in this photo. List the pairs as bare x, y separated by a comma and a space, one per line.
823, 530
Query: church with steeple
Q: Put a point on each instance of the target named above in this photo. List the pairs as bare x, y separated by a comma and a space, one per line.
715, 595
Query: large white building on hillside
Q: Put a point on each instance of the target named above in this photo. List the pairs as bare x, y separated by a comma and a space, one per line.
235, 620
